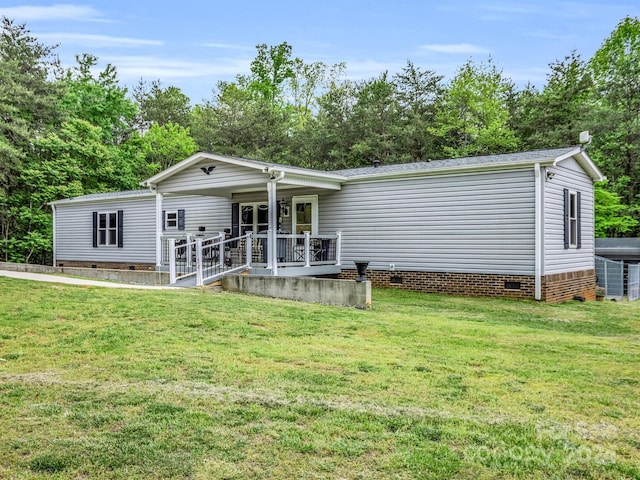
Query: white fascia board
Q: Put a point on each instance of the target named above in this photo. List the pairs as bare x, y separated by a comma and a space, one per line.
200, 156
585, 162
79, 200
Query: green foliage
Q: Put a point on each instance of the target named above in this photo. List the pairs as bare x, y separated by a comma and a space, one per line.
164, 145
558, 114
474, 118
612, 217
616, 73
157, 105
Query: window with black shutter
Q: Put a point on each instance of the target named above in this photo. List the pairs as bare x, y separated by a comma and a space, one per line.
572, 220
108, 228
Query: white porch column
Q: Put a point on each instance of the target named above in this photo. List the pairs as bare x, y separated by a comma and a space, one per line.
158, 230
272, 259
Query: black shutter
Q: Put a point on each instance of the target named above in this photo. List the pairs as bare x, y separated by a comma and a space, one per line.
567, 223
235, 222
120, 228
180, 219
578, 222
164, 216
95, 229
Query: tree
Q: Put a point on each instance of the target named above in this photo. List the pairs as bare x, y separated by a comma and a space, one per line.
270, 69
98, 99
612, 217
157, 105
556, 116
375, 122
29, 108
164, 145
616, 73
474, 117
417, 94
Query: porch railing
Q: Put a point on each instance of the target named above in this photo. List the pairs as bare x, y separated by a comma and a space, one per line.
210, 258
205, 258
303, 250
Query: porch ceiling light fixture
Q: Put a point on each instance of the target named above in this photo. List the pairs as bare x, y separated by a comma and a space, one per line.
208, 170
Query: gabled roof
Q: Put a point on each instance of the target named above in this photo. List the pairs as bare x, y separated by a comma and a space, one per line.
105, 196
508, 160
265, 167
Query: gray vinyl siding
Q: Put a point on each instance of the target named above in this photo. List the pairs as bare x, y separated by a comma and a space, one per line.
568, 174
213, 213
74, 226
473, 223
225, 176
74, 231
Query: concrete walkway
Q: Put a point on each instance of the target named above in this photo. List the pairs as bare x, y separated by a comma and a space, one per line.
41, 277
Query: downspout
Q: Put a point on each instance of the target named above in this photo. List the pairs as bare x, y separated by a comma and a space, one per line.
53, 208
539, 231
272, 253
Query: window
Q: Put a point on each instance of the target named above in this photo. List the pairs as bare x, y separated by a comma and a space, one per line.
305, 214
108, 228
572, 220
171, 220
254, 217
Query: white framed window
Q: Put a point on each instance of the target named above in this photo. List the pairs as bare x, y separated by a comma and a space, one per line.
107, 228
573, 219
305, 214
254, 217
171, 220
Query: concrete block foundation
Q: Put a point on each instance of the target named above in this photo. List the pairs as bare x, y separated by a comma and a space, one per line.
305, 289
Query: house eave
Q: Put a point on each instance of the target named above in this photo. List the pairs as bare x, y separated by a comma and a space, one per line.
449, 170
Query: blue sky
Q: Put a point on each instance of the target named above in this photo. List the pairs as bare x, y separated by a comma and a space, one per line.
194, 44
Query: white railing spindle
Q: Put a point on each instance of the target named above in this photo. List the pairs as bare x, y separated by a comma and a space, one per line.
172, 260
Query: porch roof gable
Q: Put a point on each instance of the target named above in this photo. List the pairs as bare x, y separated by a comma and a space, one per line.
264, 167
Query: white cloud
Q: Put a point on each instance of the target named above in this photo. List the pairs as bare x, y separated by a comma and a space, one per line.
225, 46
166, 69
454, 48
92, 40
52, 13
366, 69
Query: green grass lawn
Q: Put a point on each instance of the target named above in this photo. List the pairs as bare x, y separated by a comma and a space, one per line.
102, 383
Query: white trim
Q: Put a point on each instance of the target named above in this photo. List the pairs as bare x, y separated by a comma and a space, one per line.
313, 200
159, 198
573, 194
539, 231
166, 219
107, 229
53, 207
254, 224
254, 164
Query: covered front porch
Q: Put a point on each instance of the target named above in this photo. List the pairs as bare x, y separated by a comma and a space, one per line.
269, 224
202, 260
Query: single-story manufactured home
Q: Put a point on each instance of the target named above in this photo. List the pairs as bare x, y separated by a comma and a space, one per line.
516, 225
